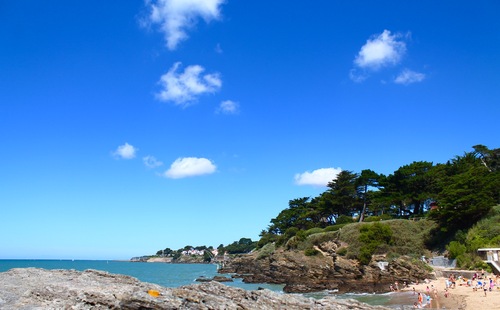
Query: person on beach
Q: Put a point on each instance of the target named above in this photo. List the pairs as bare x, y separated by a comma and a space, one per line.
485, 288
420, 299
452, 281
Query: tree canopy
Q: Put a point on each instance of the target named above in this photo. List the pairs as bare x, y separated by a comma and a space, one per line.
461, 192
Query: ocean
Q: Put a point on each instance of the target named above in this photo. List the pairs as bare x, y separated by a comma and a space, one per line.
175, 275
168, 275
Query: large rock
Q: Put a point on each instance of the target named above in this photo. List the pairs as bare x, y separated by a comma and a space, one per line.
325, 271
33, 288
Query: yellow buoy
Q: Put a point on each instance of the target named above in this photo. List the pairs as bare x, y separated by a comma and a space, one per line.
154, 293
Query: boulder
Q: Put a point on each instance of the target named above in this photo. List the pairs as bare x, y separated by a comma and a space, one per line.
33, 288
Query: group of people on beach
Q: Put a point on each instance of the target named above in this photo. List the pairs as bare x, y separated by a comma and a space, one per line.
424, 300
478, 282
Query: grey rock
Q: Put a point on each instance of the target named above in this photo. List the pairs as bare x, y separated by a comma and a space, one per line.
33, 288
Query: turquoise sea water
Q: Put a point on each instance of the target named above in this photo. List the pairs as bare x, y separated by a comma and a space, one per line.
175, 275
168, 275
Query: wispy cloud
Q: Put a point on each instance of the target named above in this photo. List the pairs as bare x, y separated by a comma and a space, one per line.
228, 107
189, 167
125, 151
176, 17
381, 50
185, 88
218, 49
408, 77
151, 162
318, 177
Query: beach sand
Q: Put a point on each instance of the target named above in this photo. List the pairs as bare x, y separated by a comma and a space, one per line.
461, 297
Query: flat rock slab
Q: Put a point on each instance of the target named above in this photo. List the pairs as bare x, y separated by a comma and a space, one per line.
34, 288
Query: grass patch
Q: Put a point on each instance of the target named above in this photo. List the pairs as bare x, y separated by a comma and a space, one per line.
266, 251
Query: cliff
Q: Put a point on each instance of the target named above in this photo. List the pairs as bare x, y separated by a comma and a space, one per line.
325, 271
32, 288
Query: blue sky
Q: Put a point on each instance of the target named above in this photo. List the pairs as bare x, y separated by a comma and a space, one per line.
127, 127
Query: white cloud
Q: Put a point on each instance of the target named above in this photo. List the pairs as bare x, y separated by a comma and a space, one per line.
190, 166
318, 177
381, 50
218, 49
408, 77
125, 151
184, 88
357, 76
151, 162
228, 107
175, 17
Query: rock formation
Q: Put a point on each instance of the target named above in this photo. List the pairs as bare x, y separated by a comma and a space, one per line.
32, 288
326, 271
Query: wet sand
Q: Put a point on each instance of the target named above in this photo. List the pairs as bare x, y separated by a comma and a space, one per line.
461, 297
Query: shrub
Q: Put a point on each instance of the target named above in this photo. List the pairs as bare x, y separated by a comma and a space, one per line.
392, 256
292, 231
334, 227
365, 255
371, 219
373, 237
301, 235
320, 238
377, 218
342, 251
455, 249
344, 219
311, 252
312, 231
292, 243
375, 234
265, 239
266, 251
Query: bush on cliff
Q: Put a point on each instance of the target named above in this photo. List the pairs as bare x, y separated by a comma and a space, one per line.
373, 237
266, 251
311, 252
408, 237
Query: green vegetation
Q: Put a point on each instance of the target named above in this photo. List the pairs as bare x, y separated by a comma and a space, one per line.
267, 250
311, 252
420, 207
244, 245
484, 234
374, 238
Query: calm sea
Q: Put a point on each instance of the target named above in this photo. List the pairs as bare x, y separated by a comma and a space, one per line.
175, 275
168, 275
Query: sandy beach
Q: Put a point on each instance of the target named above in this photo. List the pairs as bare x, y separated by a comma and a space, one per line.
461, 296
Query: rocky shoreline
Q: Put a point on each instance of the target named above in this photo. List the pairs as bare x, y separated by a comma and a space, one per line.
34, 288
301, 274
